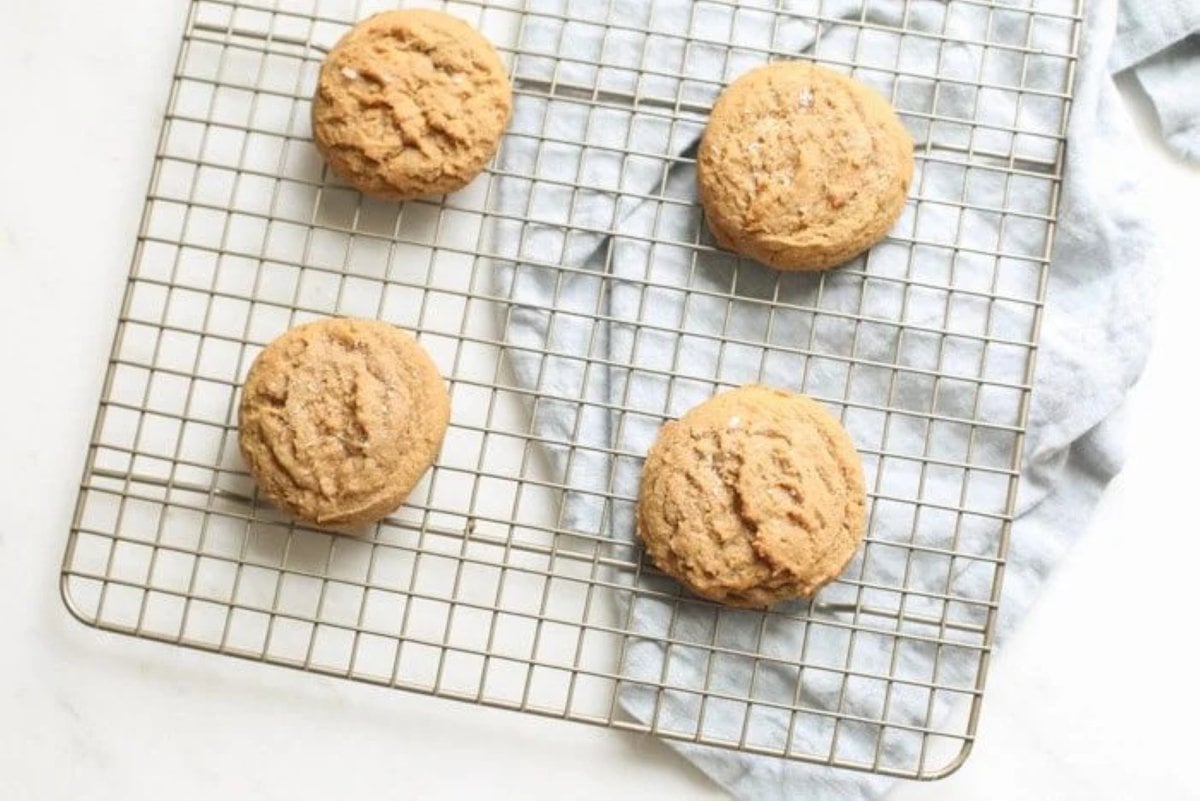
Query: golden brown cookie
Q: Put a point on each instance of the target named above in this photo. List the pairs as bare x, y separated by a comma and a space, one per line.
340, 418
802, 168
410, 103
753, 497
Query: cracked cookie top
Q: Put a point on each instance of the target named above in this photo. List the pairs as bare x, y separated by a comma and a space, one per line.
340, 418
802, 168
410, 103
753, 497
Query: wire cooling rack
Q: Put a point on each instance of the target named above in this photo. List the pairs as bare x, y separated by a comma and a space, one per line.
477, 589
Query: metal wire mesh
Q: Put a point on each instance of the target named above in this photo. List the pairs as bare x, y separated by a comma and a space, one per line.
478, 589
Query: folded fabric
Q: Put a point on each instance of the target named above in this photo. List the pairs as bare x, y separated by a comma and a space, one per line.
1158, 42
617, 320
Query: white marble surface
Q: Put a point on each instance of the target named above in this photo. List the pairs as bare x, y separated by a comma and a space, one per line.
1095, 698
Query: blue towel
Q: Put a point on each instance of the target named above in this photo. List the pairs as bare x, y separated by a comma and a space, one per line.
1159, 44
1094, 336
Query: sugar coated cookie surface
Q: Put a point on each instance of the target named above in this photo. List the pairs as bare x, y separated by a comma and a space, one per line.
753, 497
802, 168
410, 103
340, 418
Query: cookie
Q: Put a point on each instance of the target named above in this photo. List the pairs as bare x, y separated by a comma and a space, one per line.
410, 103
340, 418
802, 168
753, 497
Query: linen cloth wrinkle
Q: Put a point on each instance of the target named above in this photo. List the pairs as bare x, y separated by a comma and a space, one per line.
616, 322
